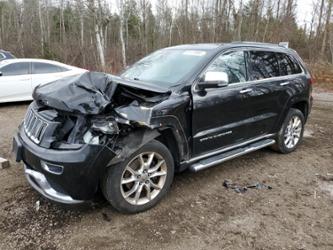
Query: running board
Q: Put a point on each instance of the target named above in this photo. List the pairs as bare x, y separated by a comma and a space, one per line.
217, 159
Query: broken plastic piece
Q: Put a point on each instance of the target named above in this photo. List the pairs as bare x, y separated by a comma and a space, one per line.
243, 189
259, 186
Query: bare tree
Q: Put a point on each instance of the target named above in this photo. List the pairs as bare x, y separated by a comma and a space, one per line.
326, 29
41, 23
240, 21
20, 28
121, 32
90, 33
101, 21
62, 22
320, 17
171, 28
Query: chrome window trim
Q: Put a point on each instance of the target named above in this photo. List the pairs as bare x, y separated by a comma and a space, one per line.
252, 82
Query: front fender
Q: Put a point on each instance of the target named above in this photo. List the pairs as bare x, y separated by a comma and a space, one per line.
132, 142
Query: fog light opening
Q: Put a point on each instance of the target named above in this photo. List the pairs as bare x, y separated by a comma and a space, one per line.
52, 168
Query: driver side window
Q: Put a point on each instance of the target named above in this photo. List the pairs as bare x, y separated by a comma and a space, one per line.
232, 63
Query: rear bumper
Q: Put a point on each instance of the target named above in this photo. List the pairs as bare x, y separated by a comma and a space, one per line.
82, 169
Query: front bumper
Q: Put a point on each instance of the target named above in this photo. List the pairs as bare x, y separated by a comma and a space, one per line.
39, 182
82, 169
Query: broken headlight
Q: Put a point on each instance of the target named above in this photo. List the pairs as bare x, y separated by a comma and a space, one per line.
105, 126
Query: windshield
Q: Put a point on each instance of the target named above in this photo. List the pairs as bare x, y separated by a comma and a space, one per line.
165, 67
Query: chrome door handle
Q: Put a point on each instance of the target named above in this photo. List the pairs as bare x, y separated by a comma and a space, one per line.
243, 91
284, 83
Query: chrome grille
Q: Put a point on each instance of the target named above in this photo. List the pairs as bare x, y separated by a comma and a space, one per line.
34, 126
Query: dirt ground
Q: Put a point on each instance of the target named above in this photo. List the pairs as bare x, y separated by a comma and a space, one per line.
198, 213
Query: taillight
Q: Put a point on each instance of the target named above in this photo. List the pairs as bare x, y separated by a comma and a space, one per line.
312, 79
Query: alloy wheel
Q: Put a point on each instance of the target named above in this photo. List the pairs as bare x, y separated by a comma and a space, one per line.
143, 178
293, 132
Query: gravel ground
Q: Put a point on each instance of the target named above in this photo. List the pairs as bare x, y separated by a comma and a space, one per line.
198, 213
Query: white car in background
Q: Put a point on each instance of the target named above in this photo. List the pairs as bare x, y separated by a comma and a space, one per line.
19, 77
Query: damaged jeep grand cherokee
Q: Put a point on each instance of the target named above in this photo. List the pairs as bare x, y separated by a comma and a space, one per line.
184, 107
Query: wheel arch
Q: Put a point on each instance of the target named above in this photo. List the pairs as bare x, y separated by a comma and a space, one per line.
139, 137
168, 138
303, 106
297, 103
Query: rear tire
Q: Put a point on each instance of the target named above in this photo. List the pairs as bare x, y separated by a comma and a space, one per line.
141, 181
291, 132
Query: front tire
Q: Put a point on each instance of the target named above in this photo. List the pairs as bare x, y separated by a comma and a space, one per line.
291, 132
141, 181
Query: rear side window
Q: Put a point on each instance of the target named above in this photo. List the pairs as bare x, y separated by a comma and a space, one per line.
262, 65
13, 69
45, 68
232, 63
288, 65
2, 56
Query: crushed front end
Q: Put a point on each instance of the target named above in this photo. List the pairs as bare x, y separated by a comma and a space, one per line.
58, 163
67, 141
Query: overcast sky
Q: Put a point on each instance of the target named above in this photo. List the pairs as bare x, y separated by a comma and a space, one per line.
304, 11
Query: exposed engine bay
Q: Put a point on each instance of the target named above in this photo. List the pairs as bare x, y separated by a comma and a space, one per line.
92, 108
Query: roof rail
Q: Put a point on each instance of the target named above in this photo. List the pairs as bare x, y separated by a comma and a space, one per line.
284, 44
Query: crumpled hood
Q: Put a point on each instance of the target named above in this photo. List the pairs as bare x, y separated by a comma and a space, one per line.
87, 93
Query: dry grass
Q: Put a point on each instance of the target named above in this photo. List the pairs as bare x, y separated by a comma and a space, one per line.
323, 74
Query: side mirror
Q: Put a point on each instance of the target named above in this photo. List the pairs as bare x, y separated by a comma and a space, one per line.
0, 73
214, 79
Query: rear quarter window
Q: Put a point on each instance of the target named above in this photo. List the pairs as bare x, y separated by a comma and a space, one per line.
263, 65
45, 68
288, 65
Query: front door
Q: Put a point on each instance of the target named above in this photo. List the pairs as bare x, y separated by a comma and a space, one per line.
221, 116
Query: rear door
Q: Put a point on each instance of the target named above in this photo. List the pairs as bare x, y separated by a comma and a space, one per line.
43, 73
271, 89
293, 81
265, 91
15, 82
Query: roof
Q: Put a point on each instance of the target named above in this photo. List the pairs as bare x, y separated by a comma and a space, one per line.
16, 60
258, 44
218, 46
198, 46
31, 60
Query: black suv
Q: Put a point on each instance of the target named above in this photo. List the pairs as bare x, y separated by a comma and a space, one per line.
185, 107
